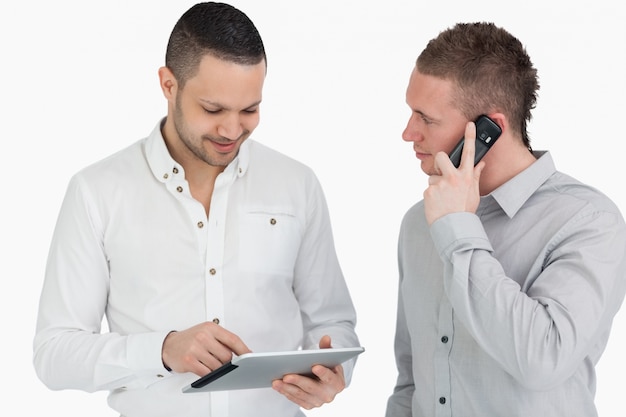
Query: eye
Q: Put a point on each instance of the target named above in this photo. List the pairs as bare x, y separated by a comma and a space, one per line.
251, 111
212, 111
426, 120
423, 117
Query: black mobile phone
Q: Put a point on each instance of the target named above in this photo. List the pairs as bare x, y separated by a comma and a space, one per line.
487, 132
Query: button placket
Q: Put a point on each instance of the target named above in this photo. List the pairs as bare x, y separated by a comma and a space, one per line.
214, 233
445, 326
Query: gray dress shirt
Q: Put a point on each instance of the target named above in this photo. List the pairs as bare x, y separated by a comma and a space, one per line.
506, 312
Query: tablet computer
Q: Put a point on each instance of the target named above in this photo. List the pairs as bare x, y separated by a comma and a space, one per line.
258, 370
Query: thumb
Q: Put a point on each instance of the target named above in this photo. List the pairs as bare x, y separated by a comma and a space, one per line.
325, 342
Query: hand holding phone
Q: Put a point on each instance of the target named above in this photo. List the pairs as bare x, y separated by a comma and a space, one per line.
487, 132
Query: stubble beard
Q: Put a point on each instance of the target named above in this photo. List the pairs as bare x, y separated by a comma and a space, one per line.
195, 145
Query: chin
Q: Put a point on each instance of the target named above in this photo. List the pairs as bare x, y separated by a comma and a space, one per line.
428, 169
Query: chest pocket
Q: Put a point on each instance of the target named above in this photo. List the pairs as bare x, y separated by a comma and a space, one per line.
268, 242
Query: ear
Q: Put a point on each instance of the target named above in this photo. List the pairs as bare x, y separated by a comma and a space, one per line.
500, 120
168, 83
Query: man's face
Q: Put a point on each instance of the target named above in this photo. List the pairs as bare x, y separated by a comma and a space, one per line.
218, 109
435, 125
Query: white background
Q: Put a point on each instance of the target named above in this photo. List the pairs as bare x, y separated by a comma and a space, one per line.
79, 81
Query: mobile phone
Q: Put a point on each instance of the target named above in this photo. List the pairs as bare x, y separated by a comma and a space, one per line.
487, 132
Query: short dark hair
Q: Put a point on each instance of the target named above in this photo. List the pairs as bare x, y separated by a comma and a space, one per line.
217, 29
490, 69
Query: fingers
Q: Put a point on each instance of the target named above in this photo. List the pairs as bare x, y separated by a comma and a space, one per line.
469, 147
201, 349
313, 392
442, 163
331, 377
452, 190
308, 392
231, 341
213, 345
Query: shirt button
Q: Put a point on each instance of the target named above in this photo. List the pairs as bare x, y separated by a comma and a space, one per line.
159, 376
166, 176
216, 320
212, 271
200, 225
175, 170
272, 221
442, 400
179, 189
444, 339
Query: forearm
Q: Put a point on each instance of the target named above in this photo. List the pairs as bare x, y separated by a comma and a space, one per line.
78, 359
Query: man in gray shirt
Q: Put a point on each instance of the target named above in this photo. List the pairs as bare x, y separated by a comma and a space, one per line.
510, 271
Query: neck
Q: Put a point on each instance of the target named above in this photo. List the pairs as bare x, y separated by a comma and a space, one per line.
506, 162
199, 174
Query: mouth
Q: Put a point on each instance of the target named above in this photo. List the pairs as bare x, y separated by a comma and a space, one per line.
225, 146
421, 155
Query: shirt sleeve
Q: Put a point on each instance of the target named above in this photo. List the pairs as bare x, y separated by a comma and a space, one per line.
399, 403
70, 352
325, 302
540, 335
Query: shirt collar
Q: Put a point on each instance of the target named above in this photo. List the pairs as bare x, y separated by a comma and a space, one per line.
164, 167
512, 195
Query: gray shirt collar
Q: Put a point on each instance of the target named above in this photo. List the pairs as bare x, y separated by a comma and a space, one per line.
512, 195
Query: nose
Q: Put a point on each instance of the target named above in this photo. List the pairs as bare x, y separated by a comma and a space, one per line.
230, 126
411, 132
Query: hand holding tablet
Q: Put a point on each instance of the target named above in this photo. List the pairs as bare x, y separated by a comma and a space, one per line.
258, 370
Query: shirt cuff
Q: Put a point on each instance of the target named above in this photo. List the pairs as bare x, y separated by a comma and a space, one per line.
144, 352
458, 231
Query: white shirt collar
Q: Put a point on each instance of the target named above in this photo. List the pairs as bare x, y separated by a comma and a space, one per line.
164, 167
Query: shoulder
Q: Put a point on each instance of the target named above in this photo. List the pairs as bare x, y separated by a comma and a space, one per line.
122, 162
113, 173
270, 159
573, 192
268, 165
413, 220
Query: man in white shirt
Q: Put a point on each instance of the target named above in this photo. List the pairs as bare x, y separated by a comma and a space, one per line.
197, 244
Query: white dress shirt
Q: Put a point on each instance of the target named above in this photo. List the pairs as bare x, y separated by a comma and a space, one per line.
133, 244
506, 312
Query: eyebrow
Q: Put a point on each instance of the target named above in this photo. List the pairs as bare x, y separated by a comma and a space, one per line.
213, 103
427, 117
